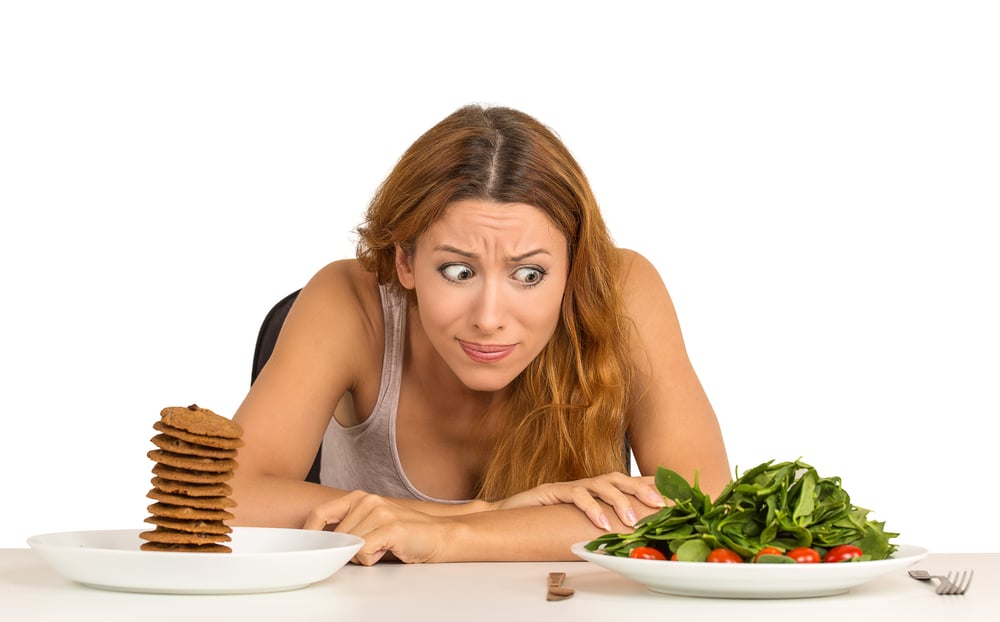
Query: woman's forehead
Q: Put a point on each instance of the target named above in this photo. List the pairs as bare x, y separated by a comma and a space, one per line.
475, 222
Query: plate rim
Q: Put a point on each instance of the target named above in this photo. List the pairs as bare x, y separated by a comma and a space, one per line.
840, 578
120, 569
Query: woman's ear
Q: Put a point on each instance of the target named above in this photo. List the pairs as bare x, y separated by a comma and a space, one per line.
404, 268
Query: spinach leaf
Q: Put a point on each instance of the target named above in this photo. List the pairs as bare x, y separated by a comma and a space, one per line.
784, 505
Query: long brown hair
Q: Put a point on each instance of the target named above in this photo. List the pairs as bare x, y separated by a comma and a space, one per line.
564, 417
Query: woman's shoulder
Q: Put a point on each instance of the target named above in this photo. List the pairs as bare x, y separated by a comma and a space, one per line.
345, 294
345, 276
637, 270
643, 289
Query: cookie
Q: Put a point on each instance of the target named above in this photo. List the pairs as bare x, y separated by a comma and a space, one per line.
185, 548
202, 503
192, 463
184, 448
184, 512
200, 421
191, 490
192, 526
171, 536
194, 477
198, 439
195, 455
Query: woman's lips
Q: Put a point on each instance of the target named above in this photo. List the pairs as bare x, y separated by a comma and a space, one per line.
486, 352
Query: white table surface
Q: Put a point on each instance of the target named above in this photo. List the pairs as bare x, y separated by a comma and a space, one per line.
30, 590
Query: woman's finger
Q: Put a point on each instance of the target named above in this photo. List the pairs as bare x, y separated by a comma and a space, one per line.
617, 490
642, 488
386, 526
581, 498
333, 512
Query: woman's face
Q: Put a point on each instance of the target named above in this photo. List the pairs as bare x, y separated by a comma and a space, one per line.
489, 279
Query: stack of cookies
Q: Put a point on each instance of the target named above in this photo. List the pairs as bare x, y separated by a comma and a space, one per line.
195, 457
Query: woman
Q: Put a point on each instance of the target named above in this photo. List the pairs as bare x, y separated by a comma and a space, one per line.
473, 374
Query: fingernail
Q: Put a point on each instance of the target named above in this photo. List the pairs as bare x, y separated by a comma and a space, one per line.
656, 498
630, 517
603, 520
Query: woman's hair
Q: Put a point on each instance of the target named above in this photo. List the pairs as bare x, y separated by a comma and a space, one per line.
564, 417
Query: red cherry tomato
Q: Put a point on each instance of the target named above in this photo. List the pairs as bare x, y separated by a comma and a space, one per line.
646, 552
804, 555
767, 550
673, 557
724, 556
842, 553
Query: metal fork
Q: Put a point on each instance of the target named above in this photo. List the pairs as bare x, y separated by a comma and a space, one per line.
947, 585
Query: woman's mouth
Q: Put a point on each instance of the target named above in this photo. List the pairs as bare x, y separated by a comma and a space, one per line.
486, 352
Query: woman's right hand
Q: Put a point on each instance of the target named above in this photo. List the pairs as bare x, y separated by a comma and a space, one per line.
387, 526
615, 489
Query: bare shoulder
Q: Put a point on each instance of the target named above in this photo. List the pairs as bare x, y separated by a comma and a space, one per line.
634, 263
651, 312
338, 311
343, 287
642, 284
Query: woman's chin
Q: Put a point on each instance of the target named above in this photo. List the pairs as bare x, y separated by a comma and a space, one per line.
486, 382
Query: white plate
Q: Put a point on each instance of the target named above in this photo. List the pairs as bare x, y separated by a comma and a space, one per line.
263, 560
750, 580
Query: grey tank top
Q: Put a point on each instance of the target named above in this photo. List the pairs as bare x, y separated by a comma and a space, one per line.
364, 456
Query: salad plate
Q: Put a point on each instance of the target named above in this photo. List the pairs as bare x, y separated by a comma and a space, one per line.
748, 580
262, 560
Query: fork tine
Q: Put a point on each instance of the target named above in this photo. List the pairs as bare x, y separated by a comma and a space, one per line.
966, 581
953, 583
944, 584
957, 584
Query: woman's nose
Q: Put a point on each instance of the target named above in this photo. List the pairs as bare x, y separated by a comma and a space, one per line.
488, 313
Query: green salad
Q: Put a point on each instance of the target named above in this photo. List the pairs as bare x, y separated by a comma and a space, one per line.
771, 513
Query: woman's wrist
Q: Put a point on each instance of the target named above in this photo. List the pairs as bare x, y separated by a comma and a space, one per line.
479, 505
435, 508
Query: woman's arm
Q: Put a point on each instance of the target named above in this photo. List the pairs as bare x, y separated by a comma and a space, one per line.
672, 423
319, 356
540, 533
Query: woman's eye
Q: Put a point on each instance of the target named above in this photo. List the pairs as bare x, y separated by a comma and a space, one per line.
529, 275
457, 272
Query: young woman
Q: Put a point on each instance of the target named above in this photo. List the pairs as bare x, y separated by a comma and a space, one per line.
474, 374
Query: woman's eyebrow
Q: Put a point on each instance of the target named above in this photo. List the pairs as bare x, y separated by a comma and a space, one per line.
451, 249
537, 251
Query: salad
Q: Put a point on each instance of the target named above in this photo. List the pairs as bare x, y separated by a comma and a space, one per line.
773, 513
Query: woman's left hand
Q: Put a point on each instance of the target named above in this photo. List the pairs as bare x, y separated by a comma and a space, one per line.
615, 489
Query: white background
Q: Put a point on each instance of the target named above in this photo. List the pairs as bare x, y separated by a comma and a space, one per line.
817, 183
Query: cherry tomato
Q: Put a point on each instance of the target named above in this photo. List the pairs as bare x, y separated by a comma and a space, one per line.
842, 553
804, 555
724, 556
767, 550
673, 557
646, 552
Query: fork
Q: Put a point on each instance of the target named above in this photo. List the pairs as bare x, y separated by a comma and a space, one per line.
947, 585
